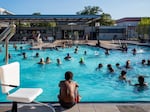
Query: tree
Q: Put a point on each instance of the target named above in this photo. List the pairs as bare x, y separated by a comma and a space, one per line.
106, 20
143, 28
36, 13
90, 10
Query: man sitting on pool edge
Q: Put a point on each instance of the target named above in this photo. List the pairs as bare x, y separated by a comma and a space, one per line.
68, 95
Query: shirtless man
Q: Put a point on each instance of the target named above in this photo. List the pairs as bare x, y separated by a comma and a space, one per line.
68, 96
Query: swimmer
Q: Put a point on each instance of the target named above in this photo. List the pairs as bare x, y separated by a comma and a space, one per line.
118, 65
85, 52
123, 76
148, 62
0, 49
47, 60
68, 57
124, 48
24, 55
141, 82
21, 47
96, 53
127, 66
143, 62
9, 57
58, 61
107, 52
15, 46
76, 49
99, 66
134, 51
37, 55
110, 69
81, 61
41, 61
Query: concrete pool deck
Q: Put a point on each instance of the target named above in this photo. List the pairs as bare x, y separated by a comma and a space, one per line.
115, 44
81, 107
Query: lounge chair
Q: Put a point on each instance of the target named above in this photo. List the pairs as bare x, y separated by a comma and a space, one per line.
10, 79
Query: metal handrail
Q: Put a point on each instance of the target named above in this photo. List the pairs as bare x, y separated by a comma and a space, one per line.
7, 38
4, 34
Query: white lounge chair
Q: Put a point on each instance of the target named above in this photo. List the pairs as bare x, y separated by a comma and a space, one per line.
10, 79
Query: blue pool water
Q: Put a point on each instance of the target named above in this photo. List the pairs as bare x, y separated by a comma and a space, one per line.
94, 86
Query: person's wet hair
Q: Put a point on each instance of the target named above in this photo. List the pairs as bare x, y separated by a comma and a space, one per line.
68, 75
109, 65
141, 79
123, 72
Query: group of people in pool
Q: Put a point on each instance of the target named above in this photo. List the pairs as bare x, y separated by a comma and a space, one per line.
47, 61
81, 61
122, 76
141, 80
126, 66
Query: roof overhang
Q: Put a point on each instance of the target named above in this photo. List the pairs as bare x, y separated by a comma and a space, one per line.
56, 18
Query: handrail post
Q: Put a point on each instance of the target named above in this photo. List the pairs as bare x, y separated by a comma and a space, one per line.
12, 31
6, 55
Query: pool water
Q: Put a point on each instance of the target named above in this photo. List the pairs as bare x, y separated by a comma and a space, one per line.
94, 85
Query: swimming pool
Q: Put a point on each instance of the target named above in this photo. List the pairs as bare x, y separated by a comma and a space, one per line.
94, 86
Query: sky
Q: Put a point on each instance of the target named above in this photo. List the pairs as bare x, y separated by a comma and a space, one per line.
116, 8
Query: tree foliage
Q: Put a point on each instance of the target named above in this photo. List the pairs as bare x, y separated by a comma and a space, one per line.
144, 26
36, 13
106, 20
90, 10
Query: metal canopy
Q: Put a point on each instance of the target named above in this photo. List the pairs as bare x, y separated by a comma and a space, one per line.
56, 18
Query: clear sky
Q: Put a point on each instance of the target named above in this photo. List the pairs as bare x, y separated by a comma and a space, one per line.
116, 8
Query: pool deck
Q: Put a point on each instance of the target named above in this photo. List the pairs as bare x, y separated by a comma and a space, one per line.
115, 44
81, 107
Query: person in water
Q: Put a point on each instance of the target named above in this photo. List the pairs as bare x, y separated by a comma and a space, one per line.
24, 55
100, 65
68, 57
118, 66
107, 52
47, 60
122, 76
85, 52
128, 66
81, 61
141, 82
68, 94
41, 61
76, 49
59, 61
143, 62
37, 55
134, 51
141, 85
148, 62
110, 69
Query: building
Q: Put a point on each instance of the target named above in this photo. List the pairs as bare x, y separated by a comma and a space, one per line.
56, 26
69, 27
130, 23
111, 32
125, 28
